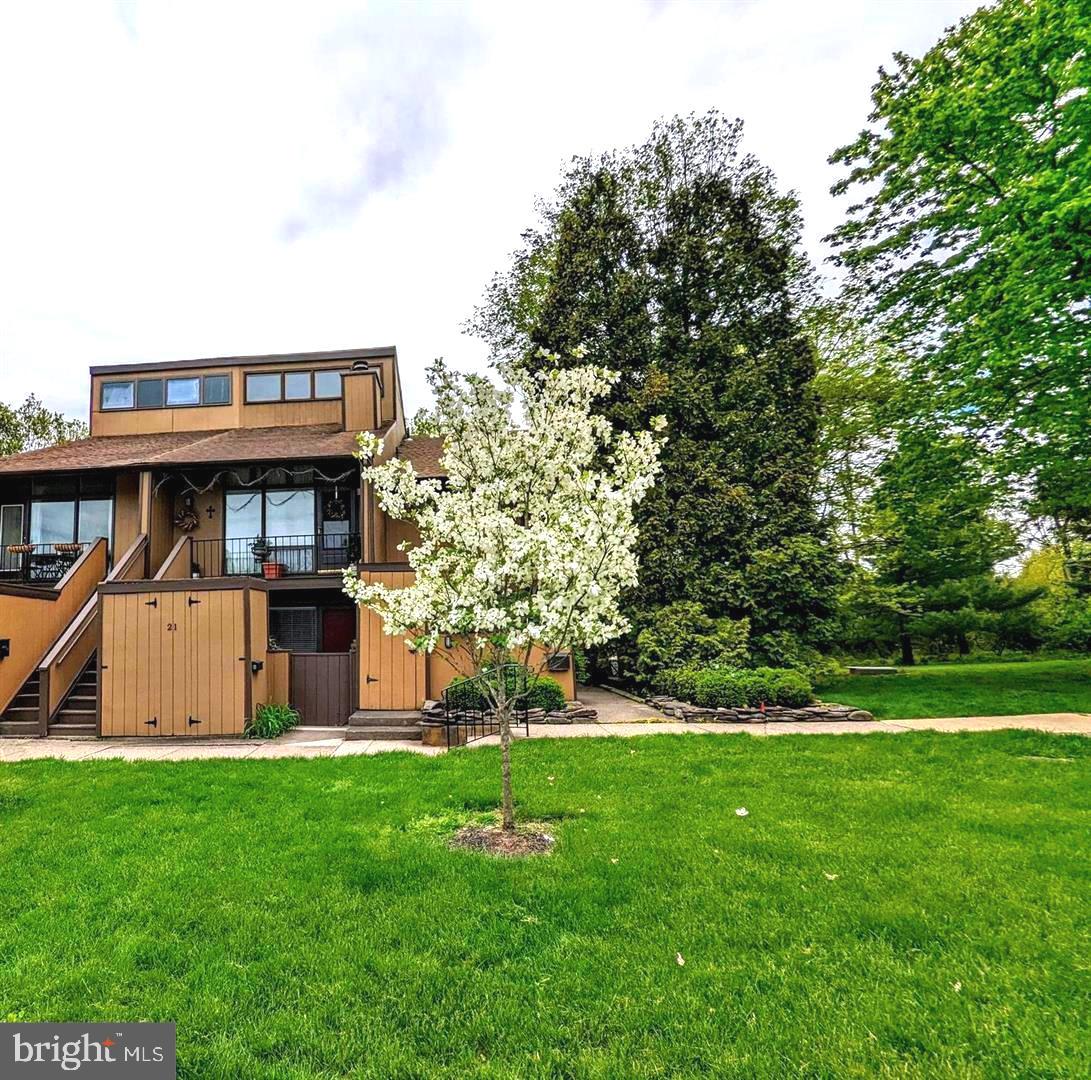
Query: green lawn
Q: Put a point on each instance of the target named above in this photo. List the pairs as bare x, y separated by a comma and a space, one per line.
893, 905
1002, 689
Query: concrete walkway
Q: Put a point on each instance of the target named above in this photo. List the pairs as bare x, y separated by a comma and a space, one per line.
330, 742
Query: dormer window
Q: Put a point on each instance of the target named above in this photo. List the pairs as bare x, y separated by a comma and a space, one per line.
185, 391
117, 395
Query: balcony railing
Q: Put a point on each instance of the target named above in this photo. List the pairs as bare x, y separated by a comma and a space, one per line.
275, 556
38, 564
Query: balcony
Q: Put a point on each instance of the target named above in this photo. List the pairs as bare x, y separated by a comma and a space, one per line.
273, 557
38, 564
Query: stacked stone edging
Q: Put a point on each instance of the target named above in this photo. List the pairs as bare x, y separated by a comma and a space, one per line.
819, 711
432, 712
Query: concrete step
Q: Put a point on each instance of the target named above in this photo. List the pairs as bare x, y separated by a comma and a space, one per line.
387, 733
368, 718
18, 728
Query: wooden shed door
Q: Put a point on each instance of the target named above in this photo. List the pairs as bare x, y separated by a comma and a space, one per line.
391, 677
174, 663
322, 687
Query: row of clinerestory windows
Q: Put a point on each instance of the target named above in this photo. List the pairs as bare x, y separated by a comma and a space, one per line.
189, 390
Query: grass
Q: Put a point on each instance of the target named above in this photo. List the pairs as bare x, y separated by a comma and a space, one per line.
906, 905
1000, 689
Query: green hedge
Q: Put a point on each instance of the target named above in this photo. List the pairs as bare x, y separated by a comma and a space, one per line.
734, 688
542, 693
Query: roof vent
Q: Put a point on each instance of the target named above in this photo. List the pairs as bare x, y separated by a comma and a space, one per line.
359, 365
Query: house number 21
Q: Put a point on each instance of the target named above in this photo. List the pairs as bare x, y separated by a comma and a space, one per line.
172, 626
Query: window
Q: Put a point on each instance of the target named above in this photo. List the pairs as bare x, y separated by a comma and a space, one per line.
217, 389
117, 395
96, 518
294, 629
262, 387
289, 513
297, 385
11, 524
149, 394
185, 391
53, 522
327, 384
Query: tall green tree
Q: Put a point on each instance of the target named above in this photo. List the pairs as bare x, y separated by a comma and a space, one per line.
31, 426
970, 239
678, 263
931, 539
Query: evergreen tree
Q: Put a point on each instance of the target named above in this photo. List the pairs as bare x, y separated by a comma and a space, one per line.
677, 263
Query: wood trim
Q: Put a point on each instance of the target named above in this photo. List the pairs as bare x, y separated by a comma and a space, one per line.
237, 361
183, 585
7, 589
248, 671
43, 700
168, 562
98, 686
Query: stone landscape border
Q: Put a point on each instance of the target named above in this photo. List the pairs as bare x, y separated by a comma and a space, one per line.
818, 712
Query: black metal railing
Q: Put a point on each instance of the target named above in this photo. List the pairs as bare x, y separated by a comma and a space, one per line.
38, 564
275, 556
468, 712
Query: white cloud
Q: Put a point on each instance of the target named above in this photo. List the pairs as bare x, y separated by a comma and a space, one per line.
189, 180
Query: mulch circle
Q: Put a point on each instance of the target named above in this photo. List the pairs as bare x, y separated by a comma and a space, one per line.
494, 841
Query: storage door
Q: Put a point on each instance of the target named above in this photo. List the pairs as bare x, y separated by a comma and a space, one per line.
217, 665
391, 677
143, 663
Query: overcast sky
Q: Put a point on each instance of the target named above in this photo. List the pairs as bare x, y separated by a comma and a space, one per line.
191, 180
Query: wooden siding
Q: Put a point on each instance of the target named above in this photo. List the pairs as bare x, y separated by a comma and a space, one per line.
237, 414
391, 677
321, 687
127, 526
175, 662
63, 663
277, 692
33, 619
178, 563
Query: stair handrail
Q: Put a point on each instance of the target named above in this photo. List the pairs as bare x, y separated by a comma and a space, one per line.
96, 555
85, 619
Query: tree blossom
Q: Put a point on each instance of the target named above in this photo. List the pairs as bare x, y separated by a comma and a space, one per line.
531, 538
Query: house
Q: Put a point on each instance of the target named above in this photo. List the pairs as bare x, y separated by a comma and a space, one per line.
184, 563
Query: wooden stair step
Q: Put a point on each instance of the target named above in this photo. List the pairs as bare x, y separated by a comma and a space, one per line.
18, 728
22, 712
71, 729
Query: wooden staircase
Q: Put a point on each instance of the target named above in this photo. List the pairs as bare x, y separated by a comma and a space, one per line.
78, 714
21, 716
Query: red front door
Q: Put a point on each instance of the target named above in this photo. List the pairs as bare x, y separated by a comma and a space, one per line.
338, 629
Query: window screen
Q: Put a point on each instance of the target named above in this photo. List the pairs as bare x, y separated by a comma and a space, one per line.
149, 394
327, 384
117, 395
294, 629
217, 389
184, 391
297, 385
263, 387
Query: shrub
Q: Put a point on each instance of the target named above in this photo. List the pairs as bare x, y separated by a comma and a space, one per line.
681, 635
732, 688
272, 720
541, 692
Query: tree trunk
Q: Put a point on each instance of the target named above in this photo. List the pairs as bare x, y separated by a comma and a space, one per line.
503, 716
963, 645
908, 660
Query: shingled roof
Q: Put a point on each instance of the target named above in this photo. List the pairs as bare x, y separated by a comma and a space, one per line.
424, 452
187, 448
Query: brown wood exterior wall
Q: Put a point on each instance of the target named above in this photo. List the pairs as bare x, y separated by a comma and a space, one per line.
176, 661
236, 414
321, 688
277, 684
391, 677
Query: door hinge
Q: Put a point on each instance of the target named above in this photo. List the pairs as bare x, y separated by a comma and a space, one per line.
191, 601
153, 722
152, 603
191, 721
370, 679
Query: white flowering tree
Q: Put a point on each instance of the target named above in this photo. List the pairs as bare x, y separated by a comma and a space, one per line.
530, 539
